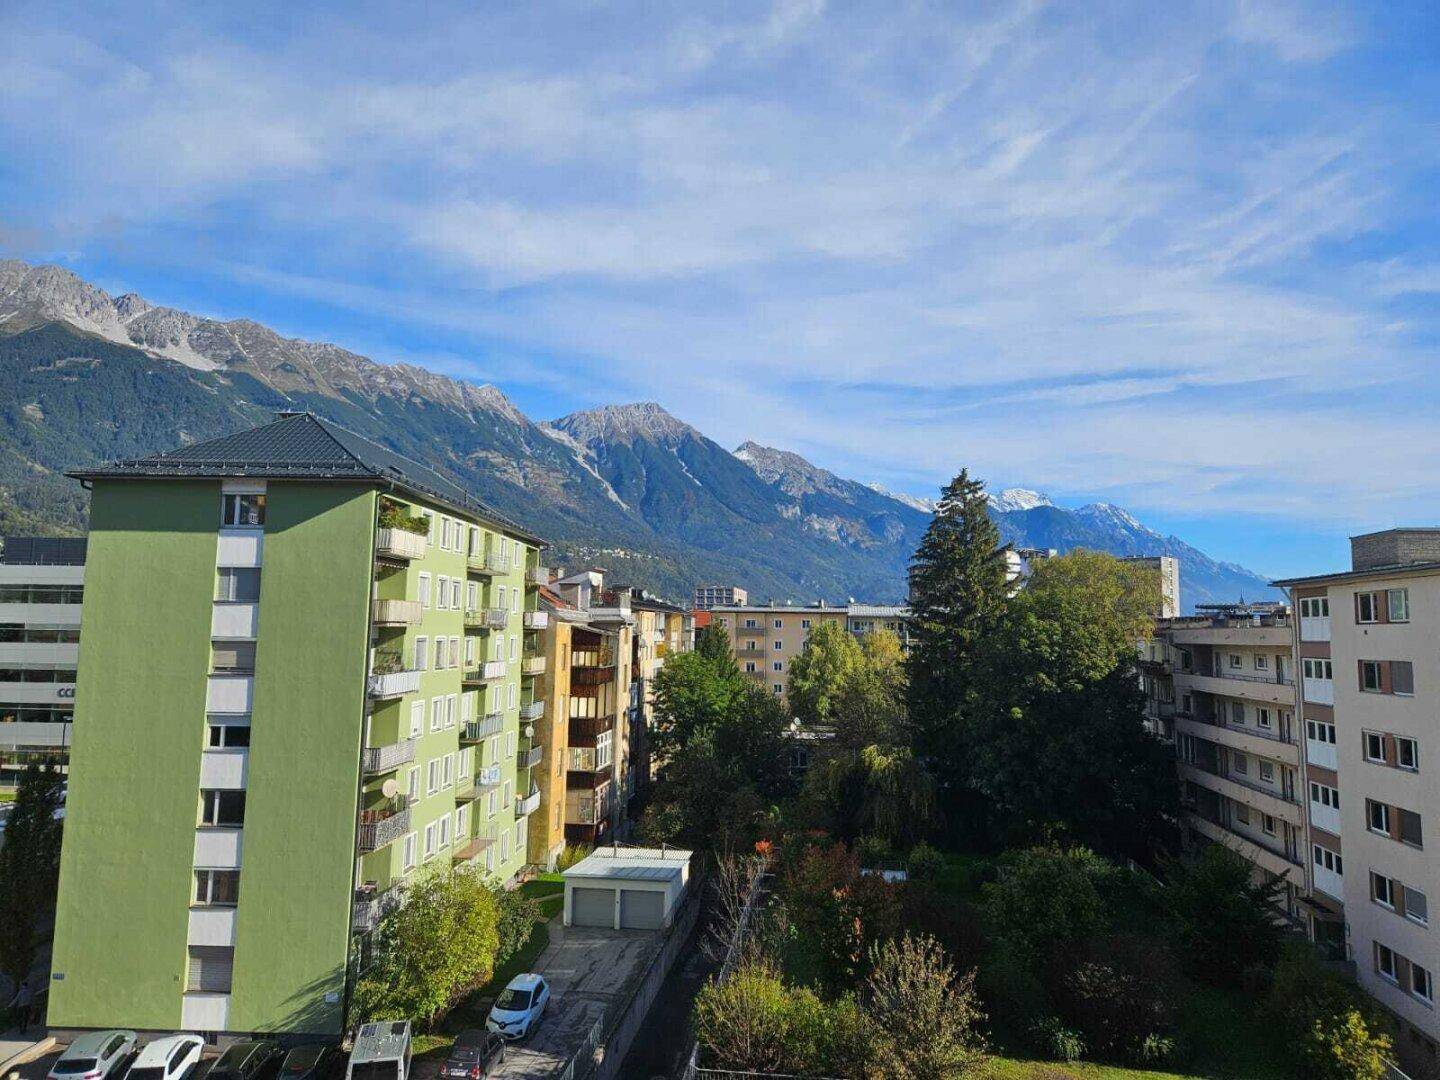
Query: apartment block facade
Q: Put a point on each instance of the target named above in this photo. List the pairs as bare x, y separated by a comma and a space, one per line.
1367, 642
1222, 684
305, 668
712, 596
42, 581
765, 640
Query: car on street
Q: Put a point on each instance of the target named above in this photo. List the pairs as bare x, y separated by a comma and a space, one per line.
249, 1059
473, 1056
171, 1057
312, 1061
96, 1055
519, 1007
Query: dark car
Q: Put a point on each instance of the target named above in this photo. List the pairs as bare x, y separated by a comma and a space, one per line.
251, 1059
474, 1054
313, 1061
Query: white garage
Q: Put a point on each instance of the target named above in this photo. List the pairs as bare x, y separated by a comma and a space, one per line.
619, 888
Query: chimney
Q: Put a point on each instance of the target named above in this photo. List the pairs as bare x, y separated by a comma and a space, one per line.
1394, 547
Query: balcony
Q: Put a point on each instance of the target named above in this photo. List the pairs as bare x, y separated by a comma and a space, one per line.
528, 805
755, 673
392, 684
383, 825
475, 847
478, 730
537, 620
586, 729
1274, 862
1252, 740
527, 757
752, 652
494, 618
480, 563
583, 759
400, 544
396, 612
532, 665
537, 575
591, 676
1266, 689
750, 631
379, 759
532, 710
484, 781
1253, 795
585, 807
1270, 632
486, 672
372, 904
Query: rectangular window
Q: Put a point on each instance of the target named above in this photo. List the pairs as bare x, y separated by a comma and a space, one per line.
1234, 660
447, 771
237, 585
777, 624
233, 657
1317, 669
209, 969
430, 840
1416, 909
422, 652
1242, 764
1267, 770
228, 732
1267, 824
1407, 753
437, 714
1262, 662
1385, 961
1382, 890
442, 591
455, 651
1374, 746
1420, 984
407, 858
412, 785
1377, 817
1398, 604
1402, 677
1262, 717
444, 824
222, 809
778, 688
417, 719
1410, 830
1237, 712
1370, 676
778, 665
1367, 607
439, 653
242, 511
423, 589
432, 777
217, 888
804, 624
777, 646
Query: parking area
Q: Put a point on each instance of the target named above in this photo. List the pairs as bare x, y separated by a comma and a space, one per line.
587, 970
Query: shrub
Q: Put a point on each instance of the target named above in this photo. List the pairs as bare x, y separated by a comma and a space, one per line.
925, 1020
874, 852
1336, 1032
1225, 922
572, 854
394, 516
924, 863
744, 1022
1053, 1039
1121, 995
1045, 900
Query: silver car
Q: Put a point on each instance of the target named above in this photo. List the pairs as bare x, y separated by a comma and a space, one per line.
96, 1055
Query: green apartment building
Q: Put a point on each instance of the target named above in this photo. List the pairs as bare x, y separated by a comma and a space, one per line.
306, 661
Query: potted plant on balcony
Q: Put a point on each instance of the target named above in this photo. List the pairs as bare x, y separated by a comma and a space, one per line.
395, 516
387, 662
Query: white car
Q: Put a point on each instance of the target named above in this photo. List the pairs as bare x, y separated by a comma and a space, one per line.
168, 1058
96, 1055
519, 1007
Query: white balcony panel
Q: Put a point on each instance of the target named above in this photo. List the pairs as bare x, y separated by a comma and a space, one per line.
1322, 754
1327, 881
40, 654
1325, 817
212, 926
31, 693
235, 621
1315, 628
41, 614
1320, 691
34, 734
205, 1012
218, 849
239, 547
224, 768
230, 693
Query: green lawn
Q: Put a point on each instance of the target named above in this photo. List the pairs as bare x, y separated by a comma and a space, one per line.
549, 889
1016, 1069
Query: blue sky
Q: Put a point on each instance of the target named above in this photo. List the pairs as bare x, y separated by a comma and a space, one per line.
1189, 264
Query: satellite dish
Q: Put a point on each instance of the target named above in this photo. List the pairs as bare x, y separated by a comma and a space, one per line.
529, 731
389, 788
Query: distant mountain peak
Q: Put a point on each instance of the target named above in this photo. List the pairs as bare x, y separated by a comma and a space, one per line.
646, 420
1015, 498
1116, 514
915, 502
784, 468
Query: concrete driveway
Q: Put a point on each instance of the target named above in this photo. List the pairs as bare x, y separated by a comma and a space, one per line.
587, 970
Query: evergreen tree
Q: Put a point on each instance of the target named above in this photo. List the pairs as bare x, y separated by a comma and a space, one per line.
712, 643
29, 868
958, 590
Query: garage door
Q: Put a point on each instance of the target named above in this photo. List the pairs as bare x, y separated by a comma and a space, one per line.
592, 907
641, 909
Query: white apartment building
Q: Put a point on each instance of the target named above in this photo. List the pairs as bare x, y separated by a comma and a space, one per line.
1368, 648
41, 585
713, 596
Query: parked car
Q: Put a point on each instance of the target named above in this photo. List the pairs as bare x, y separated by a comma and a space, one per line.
312, 1061
519, 1007
381, 1052
168, 1058
250, 1059
96, 1055
474, 1054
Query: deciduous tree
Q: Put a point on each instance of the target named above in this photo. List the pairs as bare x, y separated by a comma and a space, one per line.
29, 868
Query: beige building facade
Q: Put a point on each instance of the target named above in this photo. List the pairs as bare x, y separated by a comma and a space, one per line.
1367, 643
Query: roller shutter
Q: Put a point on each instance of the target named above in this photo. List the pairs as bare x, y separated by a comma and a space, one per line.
592, 907
641, 909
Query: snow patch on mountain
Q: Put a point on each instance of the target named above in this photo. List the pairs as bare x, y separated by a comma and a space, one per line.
915, 502
1012, 499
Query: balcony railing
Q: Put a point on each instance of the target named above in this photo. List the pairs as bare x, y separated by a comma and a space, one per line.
591, 676
473, 848
1272, 680
378, 759
528, 757
532, 710
537, 620
751, 651
400, 544
1245, 782
537, 575
488, 776
394, 683
585, 759
1240, 729
750, 631
586, 729
528, 805
372, 904
397, 612
532, 665
490, 563
486, 672
383, 825
589, 808
478, 730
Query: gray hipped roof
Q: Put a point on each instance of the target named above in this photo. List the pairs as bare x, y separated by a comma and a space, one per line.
301, 446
